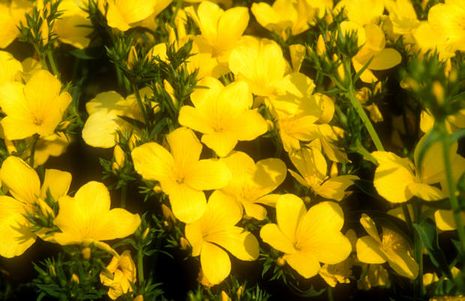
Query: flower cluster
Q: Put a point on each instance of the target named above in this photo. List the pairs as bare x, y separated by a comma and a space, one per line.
299, 139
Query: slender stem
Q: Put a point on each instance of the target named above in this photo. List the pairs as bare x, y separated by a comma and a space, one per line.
51, 61
454, 203
35, 138
330, 294
140, 103
140, 265
365, 119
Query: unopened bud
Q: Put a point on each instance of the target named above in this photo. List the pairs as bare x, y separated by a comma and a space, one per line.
138, 298
184, 243
224, 296
320, 46
438, 92
74, 278
86, 253
118, 158
281, 261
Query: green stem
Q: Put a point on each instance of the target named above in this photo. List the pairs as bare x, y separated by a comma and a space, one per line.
365, 119
454, 203
140, 103
330, 294
124, 192
51, 62
35, 138
140, 265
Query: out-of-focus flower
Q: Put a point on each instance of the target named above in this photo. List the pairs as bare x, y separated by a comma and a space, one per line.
388, 247
119, 275
222, 121
216, 232
23, 184
12, 13
307, 237
73, 27
182, 176
86, 218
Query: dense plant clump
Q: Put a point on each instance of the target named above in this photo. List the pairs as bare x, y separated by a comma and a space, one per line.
232, 150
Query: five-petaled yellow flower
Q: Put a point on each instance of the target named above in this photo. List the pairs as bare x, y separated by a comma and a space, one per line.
307, 237
181, 174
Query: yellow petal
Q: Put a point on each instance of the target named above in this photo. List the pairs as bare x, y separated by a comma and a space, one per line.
22, 181
319, 233
231, 25
386, 59
290, 209
41, 88
368, 250
56, 182
426, 192
238, 242
269, 174
180, 140
393, 171
16, 236
118, 223
100, 129
272, 235
369, 225
195, 119
445, 220
208, 174
306, 264
187, 204
153, 162
222, 143
215, 262
402, 263
334, 188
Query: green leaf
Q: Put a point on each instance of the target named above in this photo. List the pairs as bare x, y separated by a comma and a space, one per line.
426, 230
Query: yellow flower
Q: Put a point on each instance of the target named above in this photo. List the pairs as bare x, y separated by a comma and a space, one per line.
389, 246
313, 173
307, 237
289, 17
220, 29
87, 218
402, 15
119, 275
11, 68
445, 220
105, 112
73, 27
223, 115
53, 145
34, 108
124, 14
259, 62
181, 174
216, 232
373, 275
362, 11
11, 14
444, 31
24, 185
252, 182
410, 179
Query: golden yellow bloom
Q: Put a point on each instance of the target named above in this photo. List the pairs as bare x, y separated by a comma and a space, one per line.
105, 112
252, 182
73, 27
216, 232
223, 114
34, 108
24, 185
86, 218
124, 14
307, 237
259, 62
11, 14
181, 174
220, 29
410, 179
313, 173
389, 246
120, 275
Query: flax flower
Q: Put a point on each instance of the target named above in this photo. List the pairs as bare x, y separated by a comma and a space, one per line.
86, 218
119, 275
73, 27
410, 179
220, 29
24, 186
313, 173
223, 115
215, 233
105, 117
388, 247
252, 183
36, 107
124, 14
307, 237
259, 62
12, 13
181, 174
